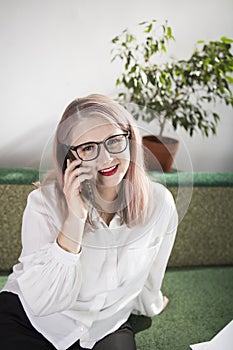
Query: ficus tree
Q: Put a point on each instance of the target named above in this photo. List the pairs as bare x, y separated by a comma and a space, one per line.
184, 91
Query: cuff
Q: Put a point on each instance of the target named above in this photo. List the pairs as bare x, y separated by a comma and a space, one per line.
64, 256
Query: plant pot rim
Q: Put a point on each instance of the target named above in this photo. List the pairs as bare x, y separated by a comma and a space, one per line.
160, 139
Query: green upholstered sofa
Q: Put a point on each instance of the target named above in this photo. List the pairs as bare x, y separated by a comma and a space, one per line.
204, 235
198, 280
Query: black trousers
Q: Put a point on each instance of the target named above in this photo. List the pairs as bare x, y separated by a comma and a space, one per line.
16, 331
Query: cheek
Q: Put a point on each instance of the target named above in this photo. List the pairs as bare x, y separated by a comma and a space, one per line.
124, 164
92, 165
125, 158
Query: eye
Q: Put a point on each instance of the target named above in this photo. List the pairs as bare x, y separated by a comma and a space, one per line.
115, 140
87, 148
112, 141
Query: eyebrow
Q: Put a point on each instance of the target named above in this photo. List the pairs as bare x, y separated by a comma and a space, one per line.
88, 142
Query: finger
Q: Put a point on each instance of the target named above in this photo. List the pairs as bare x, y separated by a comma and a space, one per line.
165, 302
77, 173
71, 165
79, 180
75, 181
66, 172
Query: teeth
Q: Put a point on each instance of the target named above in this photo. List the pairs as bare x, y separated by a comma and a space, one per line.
107, 170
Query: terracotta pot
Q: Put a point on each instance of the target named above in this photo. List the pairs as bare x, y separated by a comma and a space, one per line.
163, 150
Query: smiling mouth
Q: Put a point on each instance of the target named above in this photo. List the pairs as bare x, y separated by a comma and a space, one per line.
109, 171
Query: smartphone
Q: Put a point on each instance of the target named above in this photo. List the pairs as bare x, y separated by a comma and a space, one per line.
71, 157
86, 186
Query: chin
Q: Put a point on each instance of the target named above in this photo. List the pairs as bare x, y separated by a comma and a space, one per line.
110, 181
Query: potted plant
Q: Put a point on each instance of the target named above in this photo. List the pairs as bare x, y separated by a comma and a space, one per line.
166, 89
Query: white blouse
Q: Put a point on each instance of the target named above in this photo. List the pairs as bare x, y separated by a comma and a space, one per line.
89, 295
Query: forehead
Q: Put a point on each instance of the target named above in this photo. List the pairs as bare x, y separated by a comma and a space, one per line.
93, 129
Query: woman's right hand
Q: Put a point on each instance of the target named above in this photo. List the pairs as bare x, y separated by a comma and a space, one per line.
70, 236
74, 175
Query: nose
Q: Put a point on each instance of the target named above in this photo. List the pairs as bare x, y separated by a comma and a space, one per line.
104, 156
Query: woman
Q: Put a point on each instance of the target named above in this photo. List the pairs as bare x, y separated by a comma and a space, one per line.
96, 237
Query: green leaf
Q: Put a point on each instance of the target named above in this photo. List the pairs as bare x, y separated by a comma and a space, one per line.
230, 79
169, 32
118, 81
133, 69
163, 48
213, 129
114, 57
148, 28
131, 83
201, 42
131, 38
216, 117
114, 40
206, 133
226, 40
142, 23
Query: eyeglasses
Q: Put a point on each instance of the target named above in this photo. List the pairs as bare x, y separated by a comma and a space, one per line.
91, 150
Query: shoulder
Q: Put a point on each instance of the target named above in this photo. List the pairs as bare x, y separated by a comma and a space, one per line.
161, 199
162, 193
45, 203
42, 197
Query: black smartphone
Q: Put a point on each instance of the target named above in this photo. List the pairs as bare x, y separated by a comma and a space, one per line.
71, 157
86, 186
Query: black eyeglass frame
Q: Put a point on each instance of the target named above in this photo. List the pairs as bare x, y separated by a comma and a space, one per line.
74, 148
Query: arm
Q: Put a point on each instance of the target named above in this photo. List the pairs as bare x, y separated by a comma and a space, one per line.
49, 277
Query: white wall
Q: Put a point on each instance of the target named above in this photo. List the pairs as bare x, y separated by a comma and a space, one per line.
55, 50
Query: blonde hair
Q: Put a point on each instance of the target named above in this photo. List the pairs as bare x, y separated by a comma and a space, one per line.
136, 210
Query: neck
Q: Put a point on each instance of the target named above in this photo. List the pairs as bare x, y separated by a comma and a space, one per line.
107, 217
108, 194
107, 199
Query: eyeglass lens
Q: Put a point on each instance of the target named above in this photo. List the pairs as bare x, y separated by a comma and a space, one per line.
114, 144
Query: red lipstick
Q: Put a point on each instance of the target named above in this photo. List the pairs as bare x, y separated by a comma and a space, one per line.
109, 171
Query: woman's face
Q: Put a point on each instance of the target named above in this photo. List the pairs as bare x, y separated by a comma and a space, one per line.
108, 169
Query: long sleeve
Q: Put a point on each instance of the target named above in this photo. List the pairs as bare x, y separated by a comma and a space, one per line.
150, 300
48, 277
